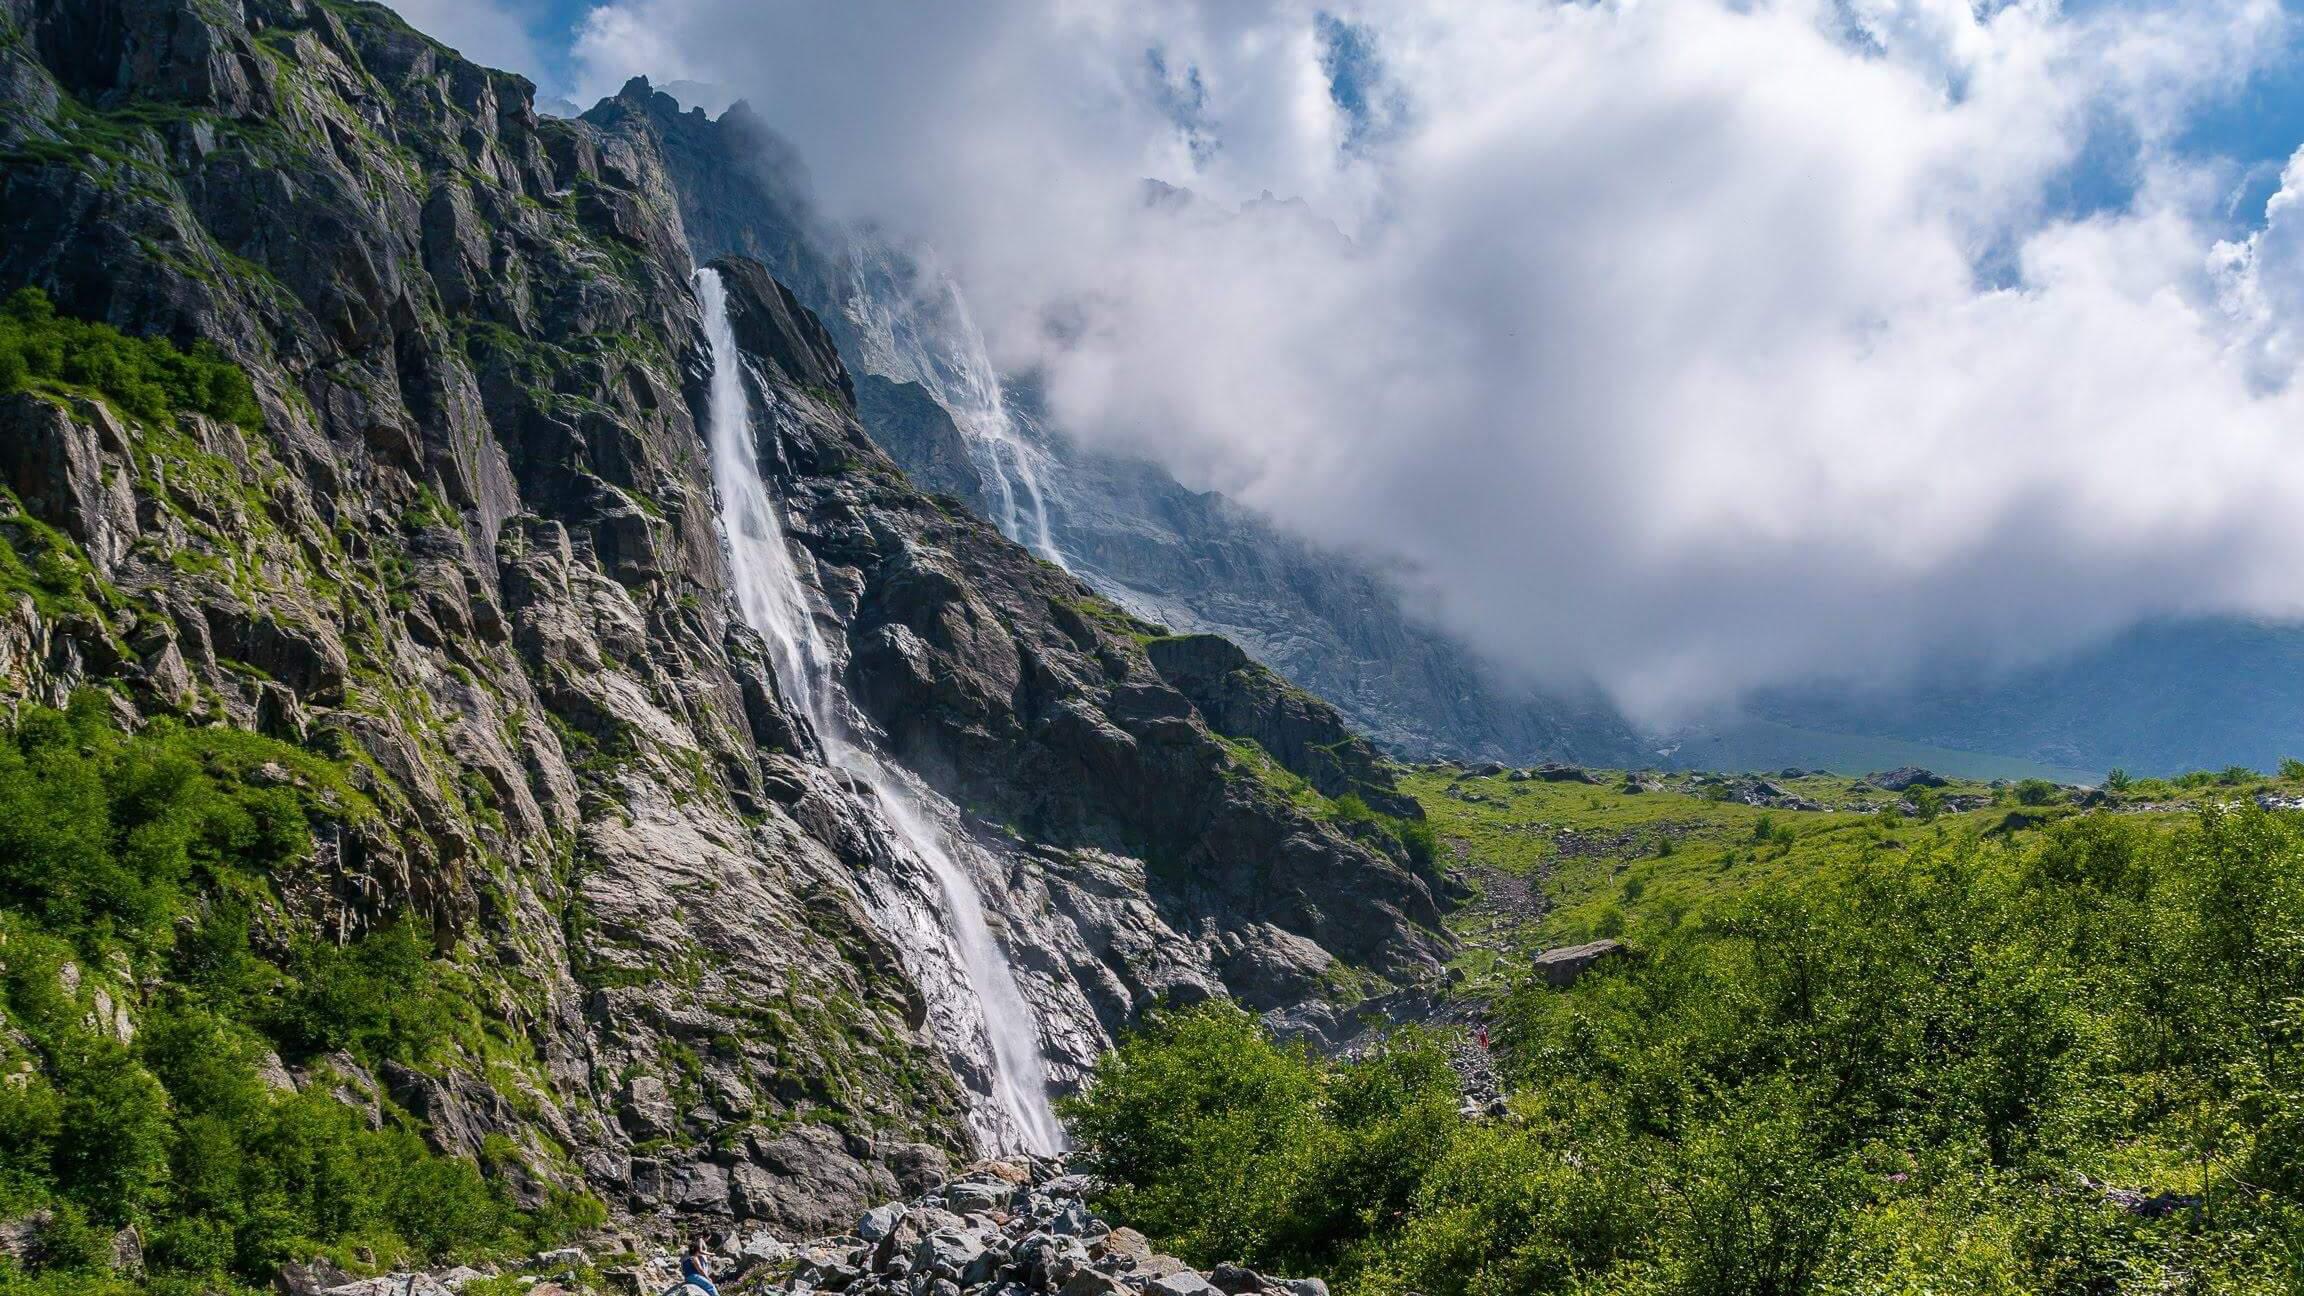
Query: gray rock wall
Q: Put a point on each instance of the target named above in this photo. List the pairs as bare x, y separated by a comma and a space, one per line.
472, 554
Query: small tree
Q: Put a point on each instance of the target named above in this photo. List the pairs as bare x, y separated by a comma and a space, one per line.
1929, 802
2291, 768
2036, 792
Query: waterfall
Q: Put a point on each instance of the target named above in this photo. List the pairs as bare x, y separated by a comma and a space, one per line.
774, 601
936, 344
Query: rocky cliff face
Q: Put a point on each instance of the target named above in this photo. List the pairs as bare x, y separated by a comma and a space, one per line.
472, 557
1189, 560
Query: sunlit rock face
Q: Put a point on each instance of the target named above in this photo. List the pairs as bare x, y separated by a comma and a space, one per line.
477, 553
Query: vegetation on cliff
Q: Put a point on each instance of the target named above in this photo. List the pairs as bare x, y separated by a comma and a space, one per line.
155, 994
146, 378
2067, 1059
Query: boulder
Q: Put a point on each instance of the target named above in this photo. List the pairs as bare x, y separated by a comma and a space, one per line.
1562, 966
1904, 778
880, 1221
1236, 1280
975, 1196
1125, 1243
1557, 773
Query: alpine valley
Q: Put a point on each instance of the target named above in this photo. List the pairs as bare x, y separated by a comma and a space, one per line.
553, 705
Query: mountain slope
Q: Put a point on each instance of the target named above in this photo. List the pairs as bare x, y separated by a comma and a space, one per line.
464, 547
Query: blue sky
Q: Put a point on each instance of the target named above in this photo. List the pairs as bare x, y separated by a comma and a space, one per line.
554, 23
2256, 126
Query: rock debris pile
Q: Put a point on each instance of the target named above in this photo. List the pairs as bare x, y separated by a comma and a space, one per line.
1003, 1229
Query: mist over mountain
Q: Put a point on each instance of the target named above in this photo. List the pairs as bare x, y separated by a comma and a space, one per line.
1358, 632
1687, 350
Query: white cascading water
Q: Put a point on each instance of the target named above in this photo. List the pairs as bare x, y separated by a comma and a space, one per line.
774, 602
940, 348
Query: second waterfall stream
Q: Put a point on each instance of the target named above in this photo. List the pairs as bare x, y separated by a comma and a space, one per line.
775, 603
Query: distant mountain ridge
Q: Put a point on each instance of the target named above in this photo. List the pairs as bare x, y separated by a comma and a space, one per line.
2161, 698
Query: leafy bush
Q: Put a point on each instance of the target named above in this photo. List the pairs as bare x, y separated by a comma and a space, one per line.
376, 997
1189, 1119
1421, 840
145, 378
2037, 792
140, 860
1921, 1070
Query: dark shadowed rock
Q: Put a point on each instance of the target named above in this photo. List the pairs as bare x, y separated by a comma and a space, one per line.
1904, 778
916, 432
771, 324
1241, 698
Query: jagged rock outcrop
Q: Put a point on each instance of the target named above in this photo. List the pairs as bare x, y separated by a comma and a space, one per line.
1006, 685
905, 420
1243, 699
471, 555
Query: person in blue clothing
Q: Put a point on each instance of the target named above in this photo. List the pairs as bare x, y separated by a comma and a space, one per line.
696, 1269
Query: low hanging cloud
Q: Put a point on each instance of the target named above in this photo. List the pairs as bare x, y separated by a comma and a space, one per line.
1685, 346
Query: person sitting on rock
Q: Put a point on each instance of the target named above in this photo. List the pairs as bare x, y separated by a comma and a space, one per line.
696, 1268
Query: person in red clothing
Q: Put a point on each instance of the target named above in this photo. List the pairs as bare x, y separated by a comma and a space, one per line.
1480, 1033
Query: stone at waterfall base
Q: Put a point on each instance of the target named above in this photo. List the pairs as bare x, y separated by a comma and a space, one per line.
1000, 1229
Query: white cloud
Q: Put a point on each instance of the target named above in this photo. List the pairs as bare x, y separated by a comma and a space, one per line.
484, 31
1687, 345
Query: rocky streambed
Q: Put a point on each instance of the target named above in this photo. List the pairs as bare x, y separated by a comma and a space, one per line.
1003, 1228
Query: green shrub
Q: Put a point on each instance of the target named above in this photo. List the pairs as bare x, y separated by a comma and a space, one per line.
145, 378
113, 1131
100, 834
136, 863
376, 997
1903, 1073
1190, 1119
2037, 792
1421, 840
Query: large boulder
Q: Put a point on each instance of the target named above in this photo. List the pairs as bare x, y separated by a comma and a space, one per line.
1904, 778
1562, 966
